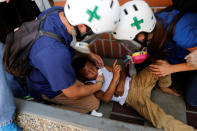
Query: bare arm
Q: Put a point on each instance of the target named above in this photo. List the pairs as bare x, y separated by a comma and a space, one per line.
120, 88
94, 58
182, 67
78, 89
186, 66
107, 96
163, 68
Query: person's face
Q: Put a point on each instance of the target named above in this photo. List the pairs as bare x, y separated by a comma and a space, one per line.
82, 28
141, 36
90, 71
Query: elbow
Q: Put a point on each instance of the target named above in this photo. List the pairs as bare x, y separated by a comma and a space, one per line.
106, 100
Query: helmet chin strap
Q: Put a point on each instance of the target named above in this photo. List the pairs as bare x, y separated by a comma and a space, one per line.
80, 46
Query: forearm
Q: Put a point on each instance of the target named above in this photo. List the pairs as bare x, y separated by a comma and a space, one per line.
122, 78
89, 89
182, 67
113, 84
107, 96
78, 91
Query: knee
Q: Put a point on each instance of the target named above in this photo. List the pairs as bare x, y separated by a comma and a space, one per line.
94, 105
139, 101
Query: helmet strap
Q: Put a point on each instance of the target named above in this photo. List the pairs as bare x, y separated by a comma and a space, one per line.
79, 45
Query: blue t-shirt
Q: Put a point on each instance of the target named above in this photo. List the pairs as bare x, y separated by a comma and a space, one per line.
185, 35
51, 60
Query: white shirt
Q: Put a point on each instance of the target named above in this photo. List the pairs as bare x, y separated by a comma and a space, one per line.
108, 77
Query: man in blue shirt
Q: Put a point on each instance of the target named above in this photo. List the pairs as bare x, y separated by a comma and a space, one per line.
52, 77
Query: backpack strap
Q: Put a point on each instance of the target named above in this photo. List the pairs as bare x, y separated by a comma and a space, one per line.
9, 43
50, 34
50, 12
47, 33
43, 18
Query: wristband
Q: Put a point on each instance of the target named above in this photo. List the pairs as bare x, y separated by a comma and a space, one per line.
99, 82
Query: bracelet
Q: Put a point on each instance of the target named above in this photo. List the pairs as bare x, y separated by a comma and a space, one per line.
99, 82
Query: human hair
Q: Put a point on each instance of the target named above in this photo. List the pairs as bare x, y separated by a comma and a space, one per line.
155, 48
78, 64
162, 33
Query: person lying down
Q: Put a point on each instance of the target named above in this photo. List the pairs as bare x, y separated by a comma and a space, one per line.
133, 91
116, 82
115, 79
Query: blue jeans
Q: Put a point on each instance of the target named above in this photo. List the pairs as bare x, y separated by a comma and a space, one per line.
188, 81
10, 127
191, 89
7, 107
17, 90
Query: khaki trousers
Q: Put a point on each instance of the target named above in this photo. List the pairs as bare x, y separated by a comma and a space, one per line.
141, 86
83, 105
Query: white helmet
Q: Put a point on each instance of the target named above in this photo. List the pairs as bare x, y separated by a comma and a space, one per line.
100, 15
136, 16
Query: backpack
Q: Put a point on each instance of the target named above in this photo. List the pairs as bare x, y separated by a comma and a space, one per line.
19, 43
